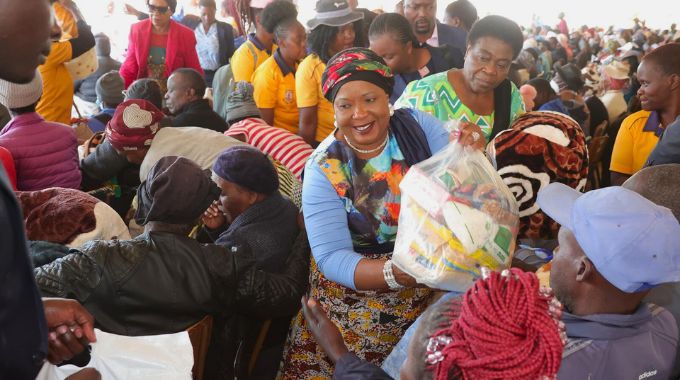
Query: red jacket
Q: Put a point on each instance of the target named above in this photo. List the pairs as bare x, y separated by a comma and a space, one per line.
180, 52
7, 161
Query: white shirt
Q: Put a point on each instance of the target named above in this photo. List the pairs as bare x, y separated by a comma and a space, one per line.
208, 47
434, 39
615, 104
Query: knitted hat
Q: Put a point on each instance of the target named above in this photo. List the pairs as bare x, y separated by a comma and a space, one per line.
14, 95
134, 125
240, 103
247, 167
109, 88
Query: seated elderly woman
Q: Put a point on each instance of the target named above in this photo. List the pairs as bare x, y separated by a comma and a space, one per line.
480, 92
483, 335
250, 209
351, 205
163, 281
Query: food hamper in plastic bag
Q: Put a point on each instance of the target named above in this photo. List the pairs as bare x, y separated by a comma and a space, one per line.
456, 216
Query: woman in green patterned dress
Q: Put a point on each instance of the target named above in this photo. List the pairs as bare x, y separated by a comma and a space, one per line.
480, 92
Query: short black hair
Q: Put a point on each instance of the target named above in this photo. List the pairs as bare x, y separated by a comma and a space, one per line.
666, 57
394, 24
147, 89
207, 4
278, 12
193, 80
172, 4
464, 10
498, 27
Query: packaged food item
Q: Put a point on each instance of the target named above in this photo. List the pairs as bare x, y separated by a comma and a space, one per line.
456, 216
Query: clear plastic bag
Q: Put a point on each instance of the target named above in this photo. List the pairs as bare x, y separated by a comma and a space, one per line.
456, 216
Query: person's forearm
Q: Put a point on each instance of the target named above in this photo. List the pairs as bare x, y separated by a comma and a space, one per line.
267, 115
308, 124
368, 275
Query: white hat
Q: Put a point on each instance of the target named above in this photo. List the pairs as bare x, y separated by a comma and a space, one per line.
14, 95
616, 70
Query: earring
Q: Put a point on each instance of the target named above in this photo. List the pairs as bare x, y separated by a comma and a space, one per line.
391, 110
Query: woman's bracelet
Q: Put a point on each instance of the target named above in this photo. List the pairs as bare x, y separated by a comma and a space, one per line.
389, 276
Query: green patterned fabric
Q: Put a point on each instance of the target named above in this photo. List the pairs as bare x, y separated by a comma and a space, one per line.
435, 96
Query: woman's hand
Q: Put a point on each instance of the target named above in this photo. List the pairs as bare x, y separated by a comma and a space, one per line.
213, 217
471, 135
325, 332
404, 278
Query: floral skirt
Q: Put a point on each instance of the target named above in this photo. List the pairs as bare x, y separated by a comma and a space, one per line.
371, 323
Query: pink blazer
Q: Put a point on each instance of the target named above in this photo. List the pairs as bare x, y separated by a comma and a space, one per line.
181, 51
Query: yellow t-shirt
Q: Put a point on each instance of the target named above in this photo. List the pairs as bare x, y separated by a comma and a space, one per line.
635, 141
57, 98
247, 58
309, 94
275, 89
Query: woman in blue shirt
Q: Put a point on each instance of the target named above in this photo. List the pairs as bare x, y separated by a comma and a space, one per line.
351, 202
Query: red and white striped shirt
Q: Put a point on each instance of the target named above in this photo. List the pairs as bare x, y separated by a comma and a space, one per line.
289, 149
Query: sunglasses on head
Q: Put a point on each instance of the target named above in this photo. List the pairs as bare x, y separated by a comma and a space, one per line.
155, 9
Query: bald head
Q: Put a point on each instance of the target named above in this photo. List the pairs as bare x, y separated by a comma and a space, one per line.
660, 184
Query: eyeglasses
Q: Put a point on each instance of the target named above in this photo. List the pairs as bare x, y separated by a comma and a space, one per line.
155, 9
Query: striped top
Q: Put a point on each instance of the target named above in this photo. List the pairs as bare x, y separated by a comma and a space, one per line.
289, 149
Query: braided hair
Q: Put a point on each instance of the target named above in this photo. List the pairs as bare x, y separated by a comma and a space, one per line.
506, 327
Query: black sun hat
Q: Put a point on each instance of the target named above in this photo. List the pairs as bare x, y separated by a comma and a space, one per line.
334, 13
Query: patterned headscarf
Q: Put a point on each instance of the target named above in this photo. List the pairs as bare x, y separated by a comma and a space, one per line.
355, 64
540, 148
134, 125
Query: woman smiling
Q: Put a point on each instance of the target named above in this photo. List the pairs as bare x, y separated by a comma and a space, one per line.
351, 202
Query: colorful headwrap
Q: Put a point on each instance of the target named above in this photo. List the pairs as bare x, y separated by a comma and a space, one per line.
506, 327
134, 125
540, 148
355, 64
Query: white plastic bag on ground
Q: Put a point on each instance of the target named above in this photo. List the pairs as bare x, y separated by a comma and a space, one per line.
117, 357
456, 216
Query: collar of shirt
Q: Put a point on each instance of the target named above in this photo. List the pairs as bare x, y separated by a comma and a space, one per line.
211, 31
434, 39
653, 124
607, 326
285, 69
257, 43
23, 119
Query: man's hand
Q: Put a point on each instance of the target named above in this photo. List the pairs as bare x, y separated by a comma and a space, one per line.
213, 217
71, 328
326, 333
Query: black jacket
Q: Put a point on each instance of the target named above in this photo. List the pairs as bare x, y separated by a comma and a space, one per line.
199, 114
161, 283
23, 330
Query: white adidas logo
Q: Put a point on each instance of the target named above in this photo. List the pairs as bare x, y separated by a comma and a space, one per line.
647, 374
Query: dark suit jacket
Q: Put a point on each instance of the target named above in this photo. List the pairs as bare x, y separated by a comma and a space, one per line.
23, 330
225, 36
667, 150
199, 114
454, 37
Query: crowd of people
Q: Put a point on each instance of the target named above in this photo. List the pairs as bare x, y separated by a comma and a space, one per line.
250, 171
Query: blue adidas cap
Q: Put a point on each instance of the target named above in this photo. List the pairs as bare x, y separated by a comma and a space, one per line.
633, 243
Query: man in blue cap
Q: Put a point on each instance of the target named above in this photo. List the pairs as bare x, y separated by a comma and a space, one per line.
615, 245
